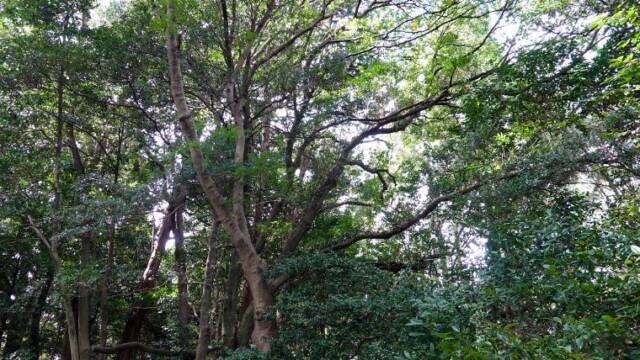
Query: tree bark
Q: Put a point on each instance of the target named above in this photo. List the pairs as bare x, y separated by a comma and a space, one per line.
84, 331
34, 331
72, 329
104, 293
230, 302
181, 271
204, 327
246, 327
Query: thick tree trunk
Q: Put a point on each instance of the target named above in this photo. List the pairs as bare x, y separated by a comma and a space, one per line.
132, 330
246, 327
65, 350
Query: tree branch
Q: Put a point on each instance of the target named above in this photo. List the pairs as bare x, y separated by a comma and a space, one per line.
420, 264
376, 171
428, 209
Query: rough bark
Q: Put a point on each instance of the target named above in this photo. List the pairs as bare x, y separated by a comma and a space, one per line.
72, 329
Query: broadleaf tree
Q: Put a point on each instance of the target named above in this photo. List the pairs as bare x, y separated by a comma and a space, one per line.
333, 179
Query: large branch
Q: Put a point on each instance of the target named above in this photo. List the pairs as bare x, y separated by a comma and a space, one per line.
426, 211
51, 244
377, 172
396, 122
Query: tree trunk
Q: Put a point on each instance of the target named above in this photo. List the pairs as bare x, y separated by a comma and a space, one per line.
34, 331
181, 271
11, 283
72, 329
84, 331
12, 343
204, 328
230, 302
246, 327
104, 294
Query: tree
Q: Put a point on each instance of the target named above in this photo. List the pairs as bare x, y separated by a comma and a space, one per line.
283, 151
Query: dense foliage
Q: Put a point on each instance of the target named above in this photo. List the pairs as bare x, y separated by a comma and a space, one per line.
334, 179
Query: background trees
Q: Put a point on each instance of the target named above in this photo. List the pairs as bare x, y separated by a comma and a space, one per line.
326, 175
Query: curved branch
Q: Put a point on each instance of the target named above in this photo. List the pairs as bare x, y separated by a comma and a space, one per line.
376, 171
428, 209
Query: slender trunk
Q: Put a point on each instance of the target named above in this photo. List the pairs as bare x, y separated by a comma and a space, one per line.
217, 321
72, 329
84, 292
84, 344
66, 302
75, 152
104, 295
230, 302
204, 327
34, 331
246, 326
9, 290
261, 180
3, 323
13, 336
181, 271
